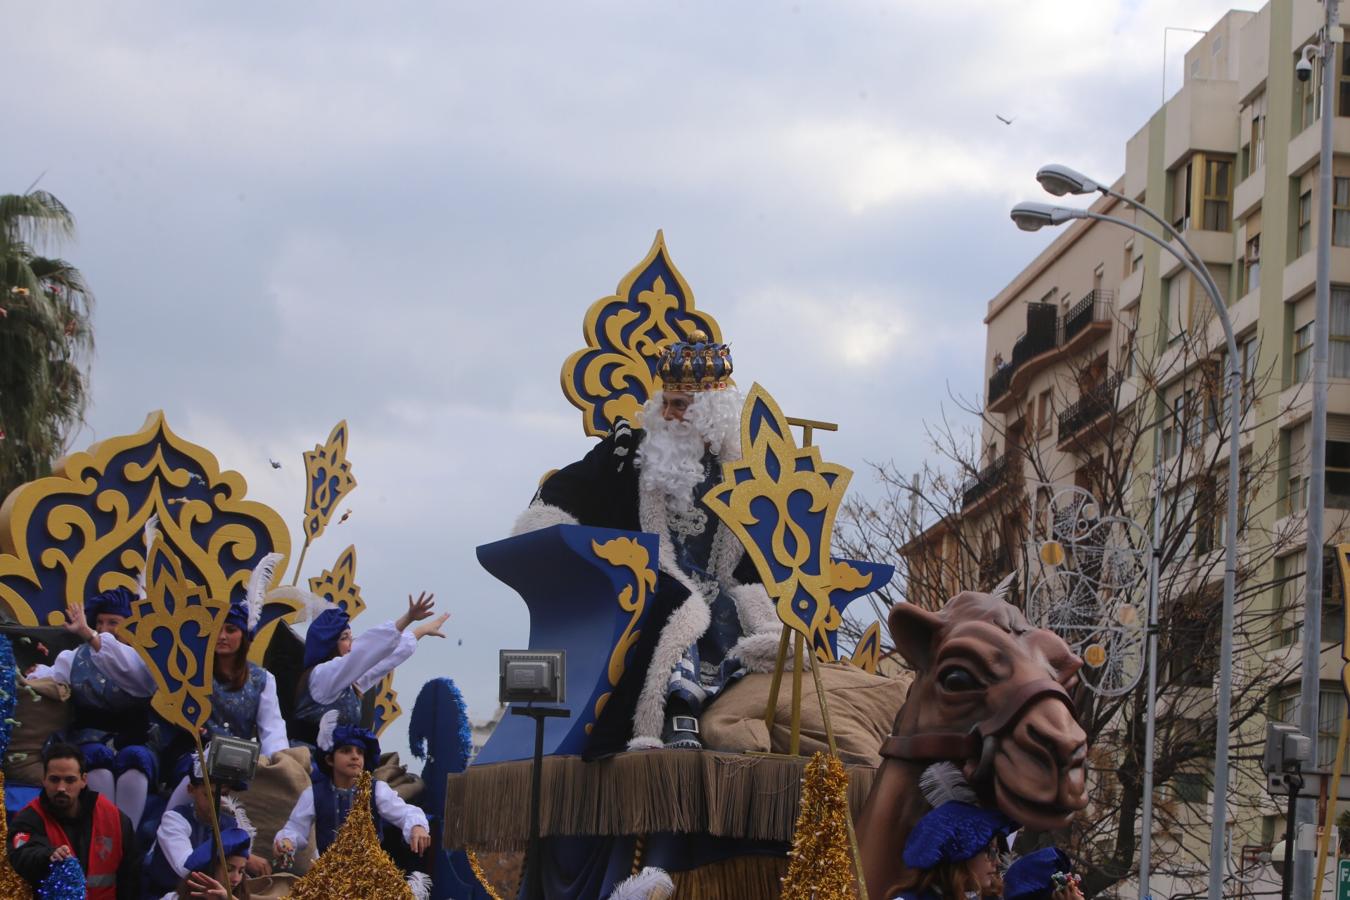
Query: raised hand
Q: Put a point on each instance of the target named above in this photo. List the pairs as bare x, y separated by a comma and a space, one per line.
418, 609
201, 886
432, 628
76, 623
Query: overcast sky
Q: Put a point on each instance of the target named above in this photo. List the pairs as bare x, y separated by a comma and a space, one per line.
398, 213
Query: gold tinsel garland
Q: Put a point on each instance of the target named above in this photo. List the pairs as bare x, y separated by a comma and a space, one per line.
12, 886
355, 865
478, 873
822, 862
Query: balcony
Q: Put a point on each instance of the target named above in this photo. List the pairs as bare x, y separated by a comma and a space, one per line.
1048, 338
986, 482
1087, 409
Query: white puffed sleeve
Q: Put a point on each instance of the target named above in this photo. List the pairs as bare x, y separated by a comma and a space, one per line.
374, 654
58, 671
403, 816
175, 841
297, 827
123, 666
271, 726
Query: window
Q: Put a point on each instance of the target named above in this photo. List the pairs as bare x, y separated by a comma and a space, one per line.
1253, 260
1303, 352
1181, 198
1043, 413
1330, 711
1303, 239
1128, 252
1194, 422
1338, 475
1172, 433
1340, 212
1298, 493
1343, 83
1220, 477
1218, 195
1249, 349
1308, 98
1178, 307
1190, 787
1258, 131
1338, 358
1288, 620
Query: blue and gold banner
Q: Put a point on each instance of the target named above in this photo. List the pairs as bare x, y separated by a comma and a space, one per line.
328, 478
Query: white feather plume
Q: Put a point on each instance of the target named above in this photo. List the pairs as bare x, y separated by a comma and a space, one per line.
326, 726
420, 885
258, 584
1000, 591
649, 884
150, 533
231, 805
943, 782
308, 604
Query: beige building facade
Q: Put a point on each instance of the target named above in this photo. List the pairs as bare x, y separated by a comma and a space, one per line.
1103, 321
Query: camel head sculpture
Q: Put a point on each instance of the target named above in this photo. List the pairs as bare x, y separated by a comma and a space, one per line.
993, 695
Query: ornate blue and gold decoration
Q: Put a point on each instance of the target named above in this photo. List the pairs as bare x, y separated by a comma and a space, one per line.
625, 553
588, 592
338, 584
781, 501
615, 373
174, 629
328, 478
80, 531
387, 707
867, 655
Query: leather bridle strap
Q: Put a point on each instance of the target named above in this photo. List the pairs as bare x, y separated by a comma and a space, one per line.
937, 746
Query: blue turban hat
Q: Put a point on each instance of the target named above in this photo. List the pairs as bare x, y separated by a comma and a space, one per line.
1030, 877
322, 636
238, 615
954, 832
351, 736
235, 840
116, 601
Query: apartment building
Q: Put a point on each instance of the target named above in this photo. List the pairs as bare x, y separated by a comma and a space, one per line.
1103, 321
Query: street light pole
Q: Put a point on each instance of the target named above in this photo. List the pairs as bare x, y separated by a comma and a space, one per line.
1310, 681
1031, 216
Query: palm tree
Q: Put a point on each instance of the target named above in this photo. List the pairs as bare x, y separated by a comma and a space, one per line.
45, 338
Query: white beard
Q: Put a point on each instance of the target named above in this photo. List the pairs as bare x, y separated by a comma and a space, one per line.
670, 460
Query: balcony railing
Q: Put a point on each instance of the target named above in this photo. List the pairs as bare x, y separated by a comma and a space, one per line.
1046, 331
985, 482
1090, 407
1095, 307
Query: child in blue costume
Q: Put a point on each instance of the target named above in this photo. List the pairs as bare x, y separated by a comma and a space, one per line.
244, 697
953, 852
186, 826
325, 805
111, 704
1042, 875
203, 867
339, 669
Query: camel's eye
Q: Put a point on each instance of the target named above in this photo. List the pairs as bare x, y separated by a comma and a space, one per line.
957, 679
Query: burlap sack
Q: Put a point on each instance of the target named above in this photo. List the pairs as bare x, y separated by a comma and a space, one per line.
271, 795
862, 709
408, 786
271, 886
43, 708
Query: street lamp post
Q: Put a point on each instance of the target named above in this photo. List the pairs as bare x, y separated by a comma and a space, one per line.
1033, 216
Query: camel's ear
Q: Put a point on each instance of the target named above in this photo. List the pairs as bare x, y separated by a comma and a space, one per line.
913, 631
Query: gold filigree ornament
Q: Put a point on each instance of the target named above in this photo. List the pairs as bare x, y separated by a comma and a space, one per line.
781, 501
387, 707
174, 628
867, 655
625, 553
615, 373
80, 531
329, 478
355, 865
338, 584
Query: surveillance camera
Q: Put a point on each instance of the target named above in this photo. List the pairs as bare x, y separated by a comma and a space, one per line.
1303, 68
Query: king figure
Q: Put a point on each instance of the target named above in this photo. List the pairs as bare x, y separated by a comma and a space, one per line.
710, 620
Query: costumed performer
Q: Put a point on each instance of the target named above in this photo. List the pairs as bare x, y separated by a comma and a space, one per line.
710, 619
340, 669
68, 819
111, 704
1043, 875
204, 880
183, 827
347, 752
953, 853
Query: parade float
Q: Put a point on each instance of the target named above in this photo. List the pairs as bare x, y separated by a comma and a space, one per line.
757, 797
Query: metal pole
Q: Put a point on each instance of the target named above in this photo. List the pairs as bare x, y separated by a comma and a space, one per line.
1223, 712
1295, 785
1311, 678
534, 869
1151, 698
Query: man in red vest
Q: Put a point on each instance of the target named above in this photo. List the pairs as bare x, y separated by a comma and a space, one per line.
67, 819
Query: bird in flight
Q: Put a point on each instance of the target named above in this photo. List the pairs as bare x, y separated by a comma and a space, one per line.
1005, 121
275, 464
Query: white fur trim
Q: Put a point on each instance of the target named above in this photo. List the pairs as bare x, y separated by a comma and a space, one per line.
755, 609
541, 515
686, 625
759, 652
726, 553
649, 884
646, 743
